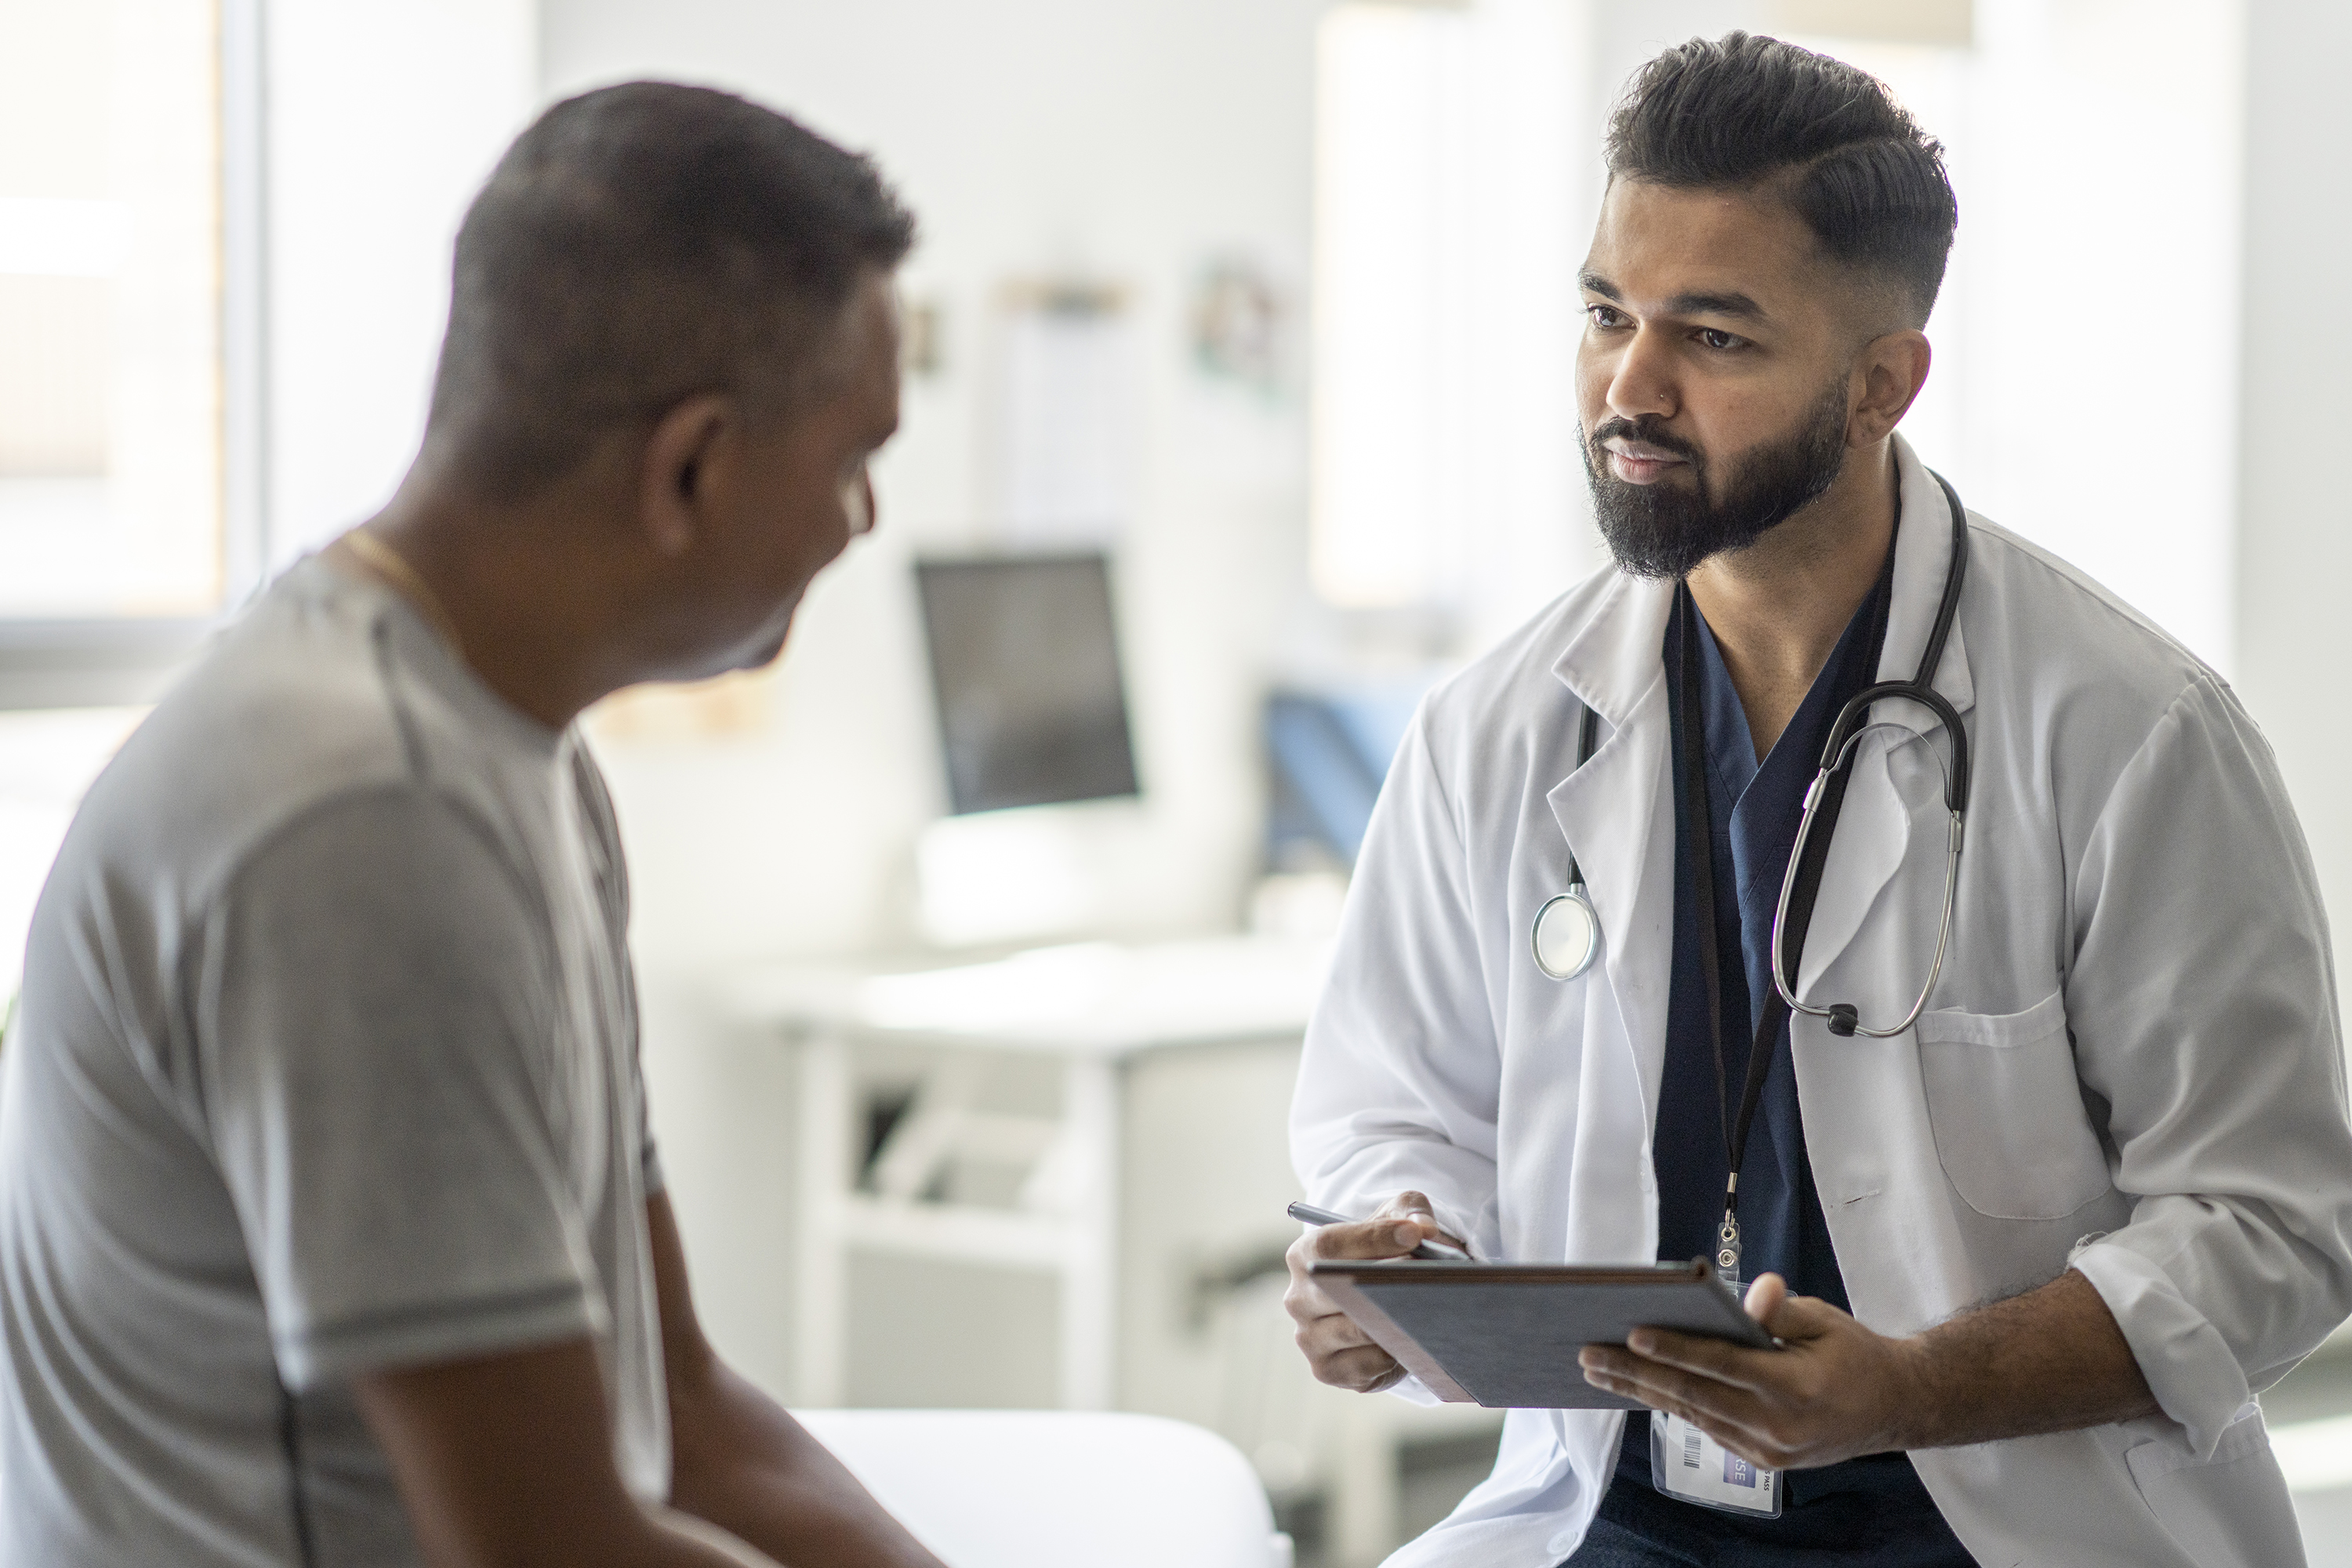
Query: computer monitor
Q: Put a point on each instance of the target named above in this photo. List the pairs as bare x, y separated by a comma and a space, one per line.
1025, 675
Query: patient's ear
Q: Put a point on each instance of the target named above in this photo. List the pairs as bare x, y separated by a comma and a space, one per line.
680, 471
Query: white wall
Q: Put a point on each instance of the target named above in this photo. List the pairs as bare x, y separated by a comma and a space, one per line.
383, 116
2100, 345
2292, 407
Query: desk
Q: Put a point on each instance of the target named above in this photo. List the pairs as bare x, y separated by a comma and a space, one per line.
1089, 1012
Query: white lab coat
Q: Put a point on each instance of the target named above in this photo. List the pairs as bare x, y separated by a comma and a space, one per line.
2132, 1060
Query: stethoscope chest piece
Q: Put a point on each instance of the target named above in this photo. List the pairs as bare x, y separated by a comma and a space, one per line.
1567, 935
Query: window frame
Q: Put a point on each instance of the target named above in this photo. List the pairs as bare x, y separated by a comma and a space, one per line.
109, 660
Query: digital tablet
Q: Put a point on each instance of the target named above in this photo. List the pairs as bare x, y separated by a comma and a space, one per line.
1506, 1335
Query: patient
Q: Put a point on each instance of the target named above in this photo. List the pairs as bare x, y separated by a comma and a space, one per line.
330, 1230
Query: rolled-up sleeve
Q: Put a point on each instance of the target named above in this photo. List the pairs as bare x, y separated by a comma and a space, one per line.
2202, 996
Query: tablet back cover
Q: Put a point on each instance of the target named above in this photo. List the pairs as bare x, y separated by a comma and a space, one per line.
1506, 1337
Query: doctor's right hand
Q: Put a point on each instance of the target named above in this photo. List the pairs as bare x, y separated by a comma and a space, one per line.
1340, 1352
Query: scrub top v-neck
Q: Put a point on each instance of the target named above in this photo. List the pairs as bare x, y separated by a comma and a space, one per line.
1753, 809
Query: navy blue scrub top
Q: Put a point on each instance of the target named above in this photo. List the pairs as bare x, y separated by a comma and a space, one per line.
1754, 810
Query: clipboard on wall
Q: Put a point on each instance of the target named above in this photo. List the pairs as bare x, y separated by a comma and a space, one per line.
1506, 1335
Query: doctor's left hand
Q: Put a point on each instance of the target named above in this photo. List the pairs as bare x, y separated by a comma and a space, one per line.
1835, 1392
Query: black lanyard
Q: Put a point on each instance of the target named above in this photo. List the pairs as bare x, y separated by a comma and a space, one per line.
1699, 828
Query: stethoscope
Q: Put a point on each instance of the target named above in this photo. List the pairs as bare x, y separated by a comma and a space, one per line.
1567, 931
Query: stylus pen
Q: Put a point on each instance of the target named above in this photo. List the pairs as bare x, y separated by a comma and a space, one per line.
1307, 1213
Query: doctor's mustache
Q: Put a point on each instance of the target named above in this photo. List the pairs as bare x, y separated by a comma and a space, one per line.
1649, 429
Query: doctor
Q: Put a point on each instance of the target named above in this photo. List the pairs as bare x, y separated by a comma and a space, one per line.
2034, 1252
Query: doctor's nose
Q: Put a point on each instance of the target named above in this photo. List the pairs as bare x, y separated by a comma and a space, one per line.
1640, 383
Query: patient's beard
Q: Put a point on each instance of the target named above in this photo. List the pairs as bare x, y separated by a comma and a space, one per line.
1665, 529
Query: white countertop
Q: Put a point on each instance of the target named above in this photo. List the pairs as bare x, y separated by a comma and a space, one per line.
1083, 999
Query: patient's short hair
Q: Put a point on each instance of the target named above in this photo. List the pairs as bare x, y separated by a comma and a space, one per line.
636, 246
1746, 112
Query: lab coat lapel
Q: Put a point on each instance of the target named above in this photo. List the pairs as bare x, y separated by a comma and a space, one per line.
1873, 830
1613, 812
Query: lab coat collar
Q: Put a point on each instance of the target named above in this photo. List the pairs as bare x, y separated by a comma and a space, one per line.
1923, 553
1614, 658
1618, 815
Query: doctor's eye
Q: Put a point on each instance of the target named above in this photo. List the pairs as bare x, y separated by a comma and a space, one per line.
1605, 316
1716, 338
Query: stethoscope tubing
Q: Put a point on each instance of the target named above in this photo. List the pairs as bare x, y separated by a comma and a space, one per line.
1813, 793
1838, 752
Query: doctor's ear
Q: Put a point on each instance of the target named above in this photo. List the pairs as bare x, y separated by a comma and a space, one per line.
1887, 375
685, 462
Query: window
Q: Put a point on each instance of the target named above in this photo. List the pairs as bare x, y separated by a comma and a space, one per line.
1454, 178
46, 759
127, 408
124, 516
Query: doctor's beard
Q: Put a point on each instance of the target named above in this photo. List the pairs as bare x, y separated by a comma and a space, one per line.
1665, 529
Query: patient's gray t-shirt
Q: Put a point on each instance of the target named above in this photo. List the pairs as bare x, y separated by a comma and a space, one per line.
326, 1062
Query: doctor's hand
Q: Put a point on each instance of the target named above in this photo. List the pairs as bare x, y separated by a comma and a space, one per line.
2051, 1360
1340, 1352
1837, 1390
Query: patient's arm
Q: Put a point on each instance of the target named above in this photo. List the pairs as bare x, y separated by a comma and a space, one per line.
504, 1462
745, 1465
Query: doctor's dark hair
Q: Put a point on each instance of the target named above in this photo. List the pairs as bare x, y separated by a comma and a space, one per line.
639, 245
1745, 113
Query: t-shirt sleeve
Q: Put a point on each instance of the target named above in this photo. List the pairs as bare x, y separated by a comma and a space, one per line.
612, 884
648, 1153
374, 1037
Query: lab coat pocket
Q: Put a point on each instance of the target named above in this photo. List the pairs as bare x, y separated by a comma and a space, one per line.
2008, 1112
2232, 1511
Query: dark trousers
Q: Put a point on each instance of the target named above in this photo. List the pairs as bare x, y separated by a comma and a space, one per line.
1638, 1529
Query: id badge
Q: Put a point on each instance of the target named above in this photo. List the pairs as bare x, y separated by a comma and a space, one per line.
1686, 1463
